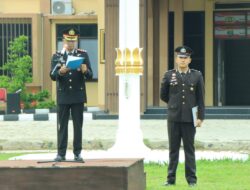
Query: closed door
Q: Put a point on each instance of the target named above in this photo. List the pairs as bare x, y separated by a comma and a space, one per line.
237, 72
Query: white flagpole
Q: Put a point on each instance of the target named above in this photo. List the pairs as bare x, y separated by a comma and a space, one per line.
129, 68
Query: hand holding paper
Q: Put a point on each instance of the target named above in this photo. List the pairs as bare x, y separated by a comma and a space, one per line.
74, 62
63, 70
198, 123
84, 68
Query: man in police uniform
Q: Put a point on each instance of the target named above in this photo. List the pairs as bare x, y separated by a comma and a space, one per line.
182, 89
71, 93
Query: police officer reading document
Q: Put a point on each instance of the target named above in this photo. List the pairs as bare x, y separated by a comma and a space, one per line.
71, 93
183, 89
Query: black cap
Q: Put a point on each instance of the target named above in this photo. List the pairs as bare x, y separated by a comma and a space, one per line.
70, 34
184, 51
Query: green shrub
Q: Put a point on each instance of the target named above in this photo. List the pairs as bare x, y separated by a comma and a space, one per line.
37, 100
46, 104
18, 69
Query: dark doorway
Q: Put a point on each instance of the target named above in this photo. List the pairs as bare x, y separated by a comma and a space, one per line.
194, 37
233, 72
237, 72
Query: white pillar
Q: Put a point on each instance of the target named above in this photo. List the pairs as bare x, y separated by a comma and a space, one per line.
129, 67
129, 24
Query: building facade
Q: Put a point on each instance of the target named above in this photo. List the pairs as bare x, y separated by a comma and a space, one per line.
217, 30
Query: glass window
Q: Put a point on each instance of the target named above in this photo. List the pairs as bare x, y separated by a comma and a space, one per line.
231, 25
11, 28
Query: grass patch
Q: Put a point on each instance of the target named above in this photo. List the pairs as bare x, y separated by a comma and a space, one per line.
6, 156
212, 175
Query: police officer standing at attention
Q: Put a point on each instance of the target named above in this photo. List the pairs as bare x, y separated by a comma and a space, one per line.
71, 93
182, 89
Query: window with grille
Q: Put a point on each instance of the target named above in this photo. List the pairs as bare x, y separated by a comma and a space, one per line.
11, 28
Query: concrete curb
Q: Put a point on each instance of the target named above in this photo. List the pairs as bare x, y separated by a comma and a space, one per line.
36, 117
42, 115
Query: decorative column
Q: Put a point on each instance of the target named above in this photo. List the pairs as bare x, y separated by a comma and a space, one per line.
129, 68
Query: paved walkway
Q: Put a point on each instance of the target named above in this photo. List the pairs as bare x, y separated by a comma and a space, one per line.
230, 135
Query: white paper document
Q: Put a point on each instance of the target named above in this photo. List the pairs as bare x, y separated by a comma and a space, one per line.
195, 114
74, 62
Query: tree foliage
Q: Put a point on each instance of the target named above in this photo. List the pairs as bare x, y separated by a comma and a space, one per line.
18, 72
18, 66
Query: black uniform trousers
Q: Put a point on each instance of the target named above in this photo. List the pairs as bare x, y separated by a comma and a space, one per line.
186, 132
77, 117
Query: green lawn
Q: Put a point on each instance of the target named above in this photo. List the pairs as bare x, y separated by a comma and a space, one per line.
6, 156
212, 175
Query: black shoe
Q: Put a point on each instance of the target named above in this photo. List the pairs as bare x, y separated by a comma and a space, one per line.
59, 158
191, 184
78, 158
169, 184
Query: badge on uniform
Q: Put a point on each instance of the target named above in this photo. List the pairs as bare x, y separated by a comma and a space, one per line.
173, 80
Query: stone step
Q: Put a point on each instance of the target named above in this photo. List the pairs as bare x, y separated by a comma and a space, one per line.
210, 113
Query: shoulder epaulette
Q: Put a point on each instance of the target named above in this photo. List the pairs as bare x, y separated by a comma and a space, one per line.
58, 53
81, 50
171, 70
194, 70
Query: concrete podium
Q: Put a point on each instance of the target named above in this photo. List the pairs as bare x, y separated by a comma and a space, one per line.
101, 174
